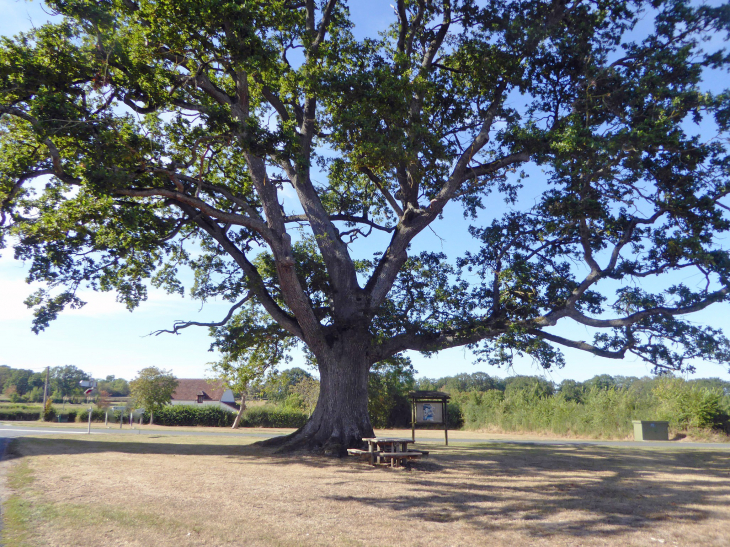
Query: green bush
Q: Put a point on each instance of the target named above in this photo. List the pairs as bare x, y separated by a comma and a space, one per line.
49, 413
97, 415
214, 416
456, 415
600, 411
294, 401
205, 415
388, 385
689, 406
273, 416
19, 414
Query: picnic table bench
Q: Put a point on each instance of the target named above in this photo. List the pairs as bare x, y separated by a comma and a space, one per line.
388, 450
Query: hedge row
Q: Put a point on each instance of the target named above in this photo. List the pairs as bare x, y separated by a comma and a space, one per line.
35, 415
213, 416
177, 415
19, 414
272, 416
206, 415
97, 415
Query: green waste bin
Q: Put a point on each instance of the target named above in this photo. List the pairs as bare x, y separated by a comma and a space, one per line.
651, 431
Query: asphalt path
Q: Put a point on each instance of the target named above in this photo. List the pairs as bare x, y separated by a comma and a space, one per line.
8, 432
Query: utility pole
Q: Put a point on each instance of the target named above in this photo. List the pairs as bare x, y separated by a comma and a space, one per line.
45, 388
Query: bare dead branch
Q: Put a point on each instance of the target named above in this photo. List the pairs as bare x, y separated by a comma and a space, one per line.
179, 325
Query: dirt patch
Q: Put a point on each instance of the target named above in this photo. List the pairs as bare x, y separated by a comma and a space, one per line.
183, 491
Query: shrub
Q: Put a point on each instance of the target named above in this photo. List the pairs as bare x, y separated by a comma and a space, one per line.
686, 405
603, 409
18, 414
205, 415
272, 416
49, 413
97, 415
388, 385
35, 395
294, 401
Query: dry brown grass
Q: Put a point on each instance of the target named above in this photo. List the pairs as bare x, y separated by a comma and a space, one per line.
158, 491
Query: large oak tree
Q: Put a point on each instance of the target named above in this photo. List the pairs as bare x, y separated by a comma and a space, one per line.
140, 137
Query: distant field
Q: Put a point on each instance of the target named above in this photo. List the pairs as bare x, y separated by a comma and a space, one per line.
181, 491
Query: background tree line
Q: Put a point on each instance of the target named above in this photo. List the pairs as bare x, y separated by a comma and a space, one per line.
25, 385
605, 405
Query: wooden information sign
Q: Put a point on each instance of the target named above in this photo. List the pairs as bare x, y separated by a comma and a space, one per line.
429, 407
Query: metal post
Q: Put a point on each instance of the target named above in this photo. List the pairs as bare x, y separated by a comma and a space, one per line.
446, 422
413, 420
89, 432
131, 420
106, 419
121, 419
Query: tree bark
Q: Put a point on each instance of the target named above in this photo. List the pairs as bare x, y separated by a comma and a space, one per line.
340, 419
240, 412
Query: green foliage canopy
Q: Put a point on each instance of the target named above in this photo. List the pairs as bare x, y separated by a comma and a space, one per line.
139, 137
153, 388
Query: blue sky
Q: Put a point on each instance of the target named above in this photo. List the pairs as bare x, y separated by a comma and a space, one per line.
103, 338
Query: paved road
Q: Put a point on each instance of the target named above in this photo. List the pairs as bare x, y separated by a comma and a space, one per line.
10, 431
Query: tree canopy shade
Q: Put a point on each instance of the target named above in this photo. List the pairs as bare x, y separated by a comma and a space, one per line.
260, 144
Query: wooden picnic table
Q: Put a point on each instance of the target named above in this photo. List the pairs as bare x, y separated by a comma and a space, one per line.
388, 448
387, 444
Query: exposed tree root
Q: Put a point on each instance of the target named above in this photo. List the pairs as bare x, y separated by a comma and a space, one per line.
309, 438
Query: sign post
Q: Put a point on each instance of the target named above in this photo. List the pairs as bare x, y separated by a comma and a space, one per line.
121, 410
429, 407
91, 386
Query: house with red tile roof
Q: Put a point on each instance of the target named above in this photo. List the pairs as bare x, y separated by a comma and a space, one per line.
198, 391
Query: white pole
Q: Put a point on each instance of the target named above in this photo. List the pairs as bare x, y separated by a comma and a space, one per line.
106, 419
89, 421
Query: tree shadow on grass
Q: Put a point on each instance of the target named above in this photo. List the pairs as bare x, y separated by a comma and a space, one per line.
562, 490
542, 491
243, 452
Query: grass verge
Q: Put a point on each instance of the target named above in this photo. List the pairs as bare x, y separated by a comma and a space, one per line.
20, 507
185, 491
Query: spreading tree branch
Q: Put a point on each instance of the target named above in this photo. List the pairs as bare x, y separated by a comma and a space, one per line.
179, 325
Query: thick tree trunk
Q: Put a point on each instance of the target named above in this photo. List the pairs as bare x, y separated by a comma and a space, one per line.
341, 418
241, 410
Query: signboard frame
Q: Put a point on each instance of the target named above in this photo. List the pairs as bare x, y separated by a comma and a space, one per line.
425, 401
